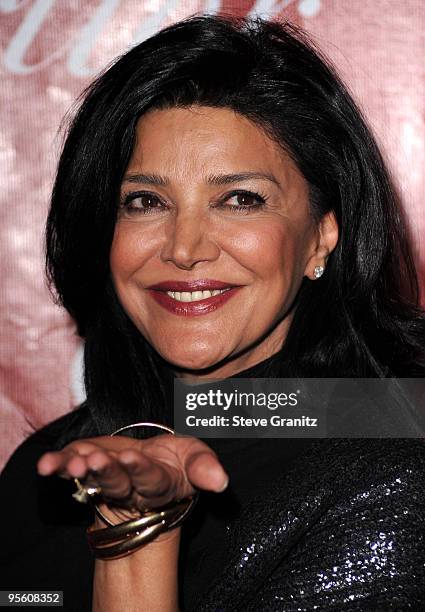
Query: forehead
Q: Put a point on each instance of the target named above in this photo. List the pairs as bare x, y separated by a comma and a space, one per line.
201, 139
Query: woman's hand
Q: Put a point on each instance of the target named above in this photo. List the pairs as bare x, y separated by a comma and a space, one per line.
134, 475
137, 474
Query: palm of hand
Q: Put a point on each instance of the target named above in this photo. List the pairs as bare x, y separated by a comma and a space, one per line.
134, 475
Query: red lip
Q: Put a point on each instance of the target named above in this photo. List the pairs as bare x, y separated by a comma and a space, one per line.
196, 285
200, 307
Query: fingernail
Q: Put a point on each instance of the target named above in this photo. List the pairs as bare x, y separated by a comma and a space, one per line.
42, 469
221, 487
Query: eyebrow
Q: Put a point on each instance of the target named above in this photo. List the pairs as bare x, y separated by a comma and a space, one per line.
214, 179
226, 179
149, 179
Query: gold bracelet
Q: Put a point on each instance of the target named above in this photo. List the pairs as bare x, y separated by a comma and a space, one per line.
124, 538
128, 545
132, 526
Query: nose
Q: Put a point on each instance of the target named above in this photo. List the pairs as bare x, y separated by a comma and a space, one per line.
189, 240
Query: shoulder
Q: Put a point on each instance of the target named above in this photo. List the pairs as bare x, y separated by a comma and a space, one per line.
375, 456
19, 480
364, 545
336, 469
365, 477
361, 472
45, 439
366, 548
49, 532
369, 462
30, 495
343, 527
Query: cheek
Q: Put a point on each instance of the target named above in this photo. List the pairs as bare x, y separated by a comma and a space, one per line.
272, 251
128, 250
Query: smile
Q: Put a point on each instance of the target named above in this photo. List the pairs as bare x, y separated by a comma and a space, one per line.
193, 303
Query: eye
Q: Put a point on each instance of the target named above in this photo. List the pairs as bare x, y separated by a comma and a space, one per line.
242, 200
141, 202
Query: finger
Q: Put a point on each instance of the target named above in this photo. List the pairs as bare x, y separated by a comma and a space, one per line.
109, 475
204, 470
193, 459
148, 477
56, 462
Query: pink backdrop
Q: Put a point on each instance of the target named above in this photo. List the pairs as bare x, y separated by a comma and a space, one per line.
52, 48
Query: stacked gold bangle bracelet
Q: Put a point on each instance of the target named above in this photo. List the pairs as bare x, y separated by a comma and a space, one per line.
120, 540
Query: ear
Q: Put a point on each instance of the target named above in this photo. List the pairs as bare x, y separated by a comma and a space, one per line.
326, 240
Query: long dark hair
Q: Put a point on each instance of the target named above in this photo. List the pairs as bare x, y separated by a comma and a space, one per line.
361, 318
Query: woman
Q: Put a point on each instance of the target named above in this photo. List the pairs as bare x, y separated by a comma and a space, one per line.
224, 154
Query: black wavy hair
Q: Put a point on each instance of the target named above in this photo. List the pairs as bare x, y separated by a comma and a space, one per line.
362, 318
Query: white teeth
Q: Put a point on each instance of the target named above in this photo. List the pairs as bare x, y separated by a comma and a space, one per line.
196, 295
193, 296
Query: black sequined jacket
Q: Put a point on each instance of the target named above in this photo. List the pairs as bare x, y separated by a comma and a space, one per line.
342, 530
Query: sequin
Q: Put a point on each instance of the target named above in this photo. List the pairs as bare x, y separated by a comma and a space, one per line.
344, 530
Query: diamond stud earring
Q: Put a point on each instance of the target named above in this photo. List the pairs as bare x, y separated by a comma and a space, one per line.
318, 271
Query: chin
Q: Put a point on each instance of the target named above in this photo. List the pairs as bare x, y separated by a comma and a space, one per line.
199, 359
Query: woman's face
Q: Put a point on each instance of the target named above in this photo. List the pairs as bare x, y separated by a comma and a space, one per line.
207, 196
